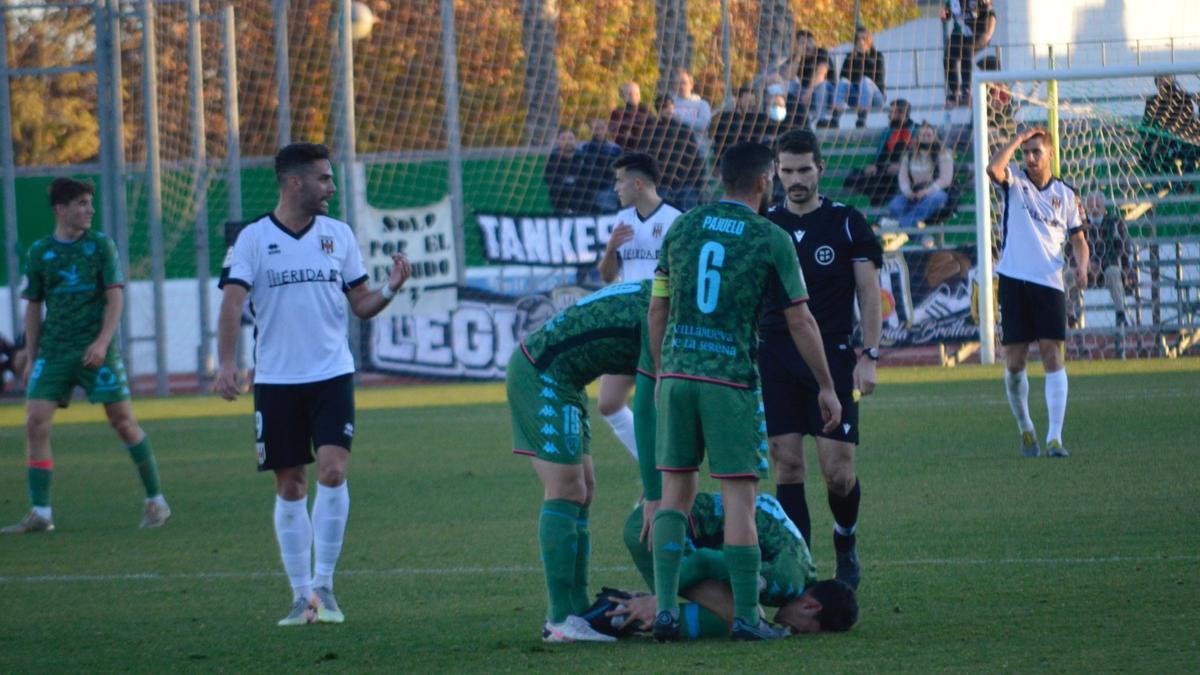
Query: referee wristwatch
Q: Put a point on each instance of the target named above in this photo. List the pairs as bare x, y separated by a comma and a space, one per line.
871, 353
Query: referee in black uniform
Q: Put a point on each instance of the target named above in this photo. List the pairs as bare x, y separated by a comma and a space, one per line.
839, 255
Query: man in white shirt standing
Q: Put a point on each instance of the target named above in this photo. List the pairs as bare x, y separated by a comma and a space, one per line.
1040, 214
690, 109
299, 266
631, 255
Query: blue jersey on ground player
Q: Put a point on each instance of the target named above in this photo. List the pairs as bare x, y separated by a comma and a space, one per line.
788, 578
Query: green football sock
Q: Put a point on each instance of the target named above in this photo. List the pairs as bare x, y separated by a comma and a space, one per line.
583, 556
143, 459
670, 530
39, 486
744, 563
696, 622
558, 535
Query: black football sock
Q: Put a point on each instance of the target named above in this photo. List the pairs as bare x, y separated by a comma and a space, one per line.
795, 505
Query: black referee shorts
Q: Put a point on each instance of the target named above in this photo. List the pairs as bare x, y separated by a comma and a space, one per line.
1030, 312
292, 420
789, 388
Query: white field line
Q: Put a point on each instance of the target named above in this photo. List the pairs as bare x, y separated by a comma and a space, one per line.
517, 569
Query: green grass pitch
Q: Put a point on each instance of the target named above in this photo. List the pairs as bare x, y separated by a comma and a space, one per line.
975, 560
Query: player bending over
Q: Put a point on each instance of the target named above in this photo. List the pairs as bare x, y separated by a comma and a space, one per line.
546, 376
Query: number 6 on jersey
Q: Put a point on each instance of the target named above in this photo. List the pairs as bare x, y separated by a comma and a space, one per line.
708, 279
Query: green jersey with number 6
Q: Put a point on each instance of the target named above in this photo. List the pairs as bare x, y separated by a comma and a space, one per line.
720, 260
71, 278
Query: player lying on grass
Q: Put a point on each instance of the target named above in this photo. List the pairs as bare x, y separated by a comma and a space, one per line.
788, 579
604, 333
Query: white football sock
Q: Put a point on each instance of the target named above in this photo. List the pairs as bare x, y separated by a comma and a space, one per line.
294, 532
44, 512
622, 425
1016, 385
330, 510
1056, 403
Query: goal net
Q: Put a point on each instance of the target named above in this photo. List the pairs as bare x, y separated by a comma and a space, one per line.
1127, 139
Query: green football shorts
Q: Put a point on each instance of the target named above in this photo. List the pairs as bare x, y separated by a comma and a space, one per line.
695, 417
549, 421
54, 377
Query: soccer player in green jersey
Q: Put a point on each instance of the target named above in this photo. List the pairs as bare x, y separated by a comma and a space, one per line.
75, 274
717, 264
788, 578
601, 334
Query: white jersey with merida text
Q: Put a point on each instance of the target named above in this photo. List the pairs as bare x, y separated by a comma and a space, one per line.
1036, 225
639, 255
298, 284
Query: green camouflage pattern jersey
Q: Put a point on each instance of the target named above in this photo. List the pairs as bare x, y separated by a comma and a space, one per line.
71, 278
603, 333
720, 260
787, 566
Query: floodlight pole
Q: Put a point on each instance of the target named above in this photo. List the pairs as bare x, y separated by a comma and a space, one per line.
10, 185
154, 197
199, 189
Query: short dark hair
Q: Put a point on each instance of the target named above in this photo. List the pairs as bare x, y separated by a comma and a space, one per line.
744, 89
989, 62
661, 100
839, 605
902, 104
297, 156
743, 163
1043, 137
639, 162
804, 32
799, 142
66, 190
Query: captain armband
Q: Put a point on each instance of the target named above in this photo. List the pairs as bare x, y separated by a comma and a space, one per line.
661, 288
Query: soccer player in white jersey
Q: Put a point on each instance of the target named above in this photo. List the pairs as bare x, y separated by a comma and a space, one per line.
299, 267
631, 254
1040, 214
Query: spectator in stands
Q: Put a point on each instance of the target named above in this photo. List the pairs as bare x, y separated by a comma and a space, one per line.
563, 172
690, 109
1170, 130
626, 122
926, 173
878, 180
674, 150
745, 122
1111, 263
810, 78
862, 80
595, 160
972, 24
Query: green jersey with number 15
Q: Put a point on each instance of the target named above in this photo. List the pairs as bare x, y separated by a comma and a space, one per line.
720, 260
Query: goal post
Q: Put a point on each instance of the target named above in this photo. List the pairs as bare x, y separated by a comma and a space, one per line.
1104, 105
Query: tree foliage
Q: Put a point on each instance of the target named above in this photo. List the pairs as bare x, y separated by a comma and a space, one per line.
399, 92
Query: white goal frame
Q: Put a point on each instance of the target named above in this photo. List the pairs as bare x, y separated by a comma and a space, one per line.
983, 203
